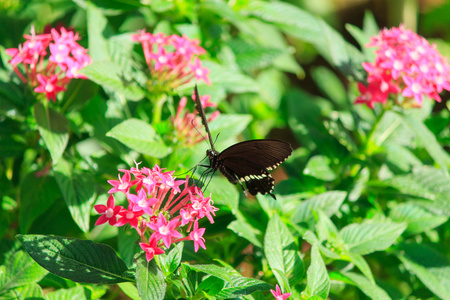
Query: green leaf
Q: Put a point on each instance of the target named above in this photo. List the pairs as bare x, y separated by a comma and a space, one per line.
25, 292
223, 273
111, 77
245, 230
37, 194
53, 128
331, 85
229, 126
241, 286
78, 93
19, 270
428, 183
150, 280
361, 264
318, 282
368, 287
429, 142
367, 238
126, 244
76, 292
141, 137
328, 202
171, 261
281, 251
97, 26
78, 192
230, 79
417, 218
432, 268
271, 87
130, 290
74, 259
223, 192
318, 166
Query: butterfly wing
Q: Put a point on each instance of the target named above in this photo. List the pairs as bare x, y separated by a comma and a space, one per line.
250, 161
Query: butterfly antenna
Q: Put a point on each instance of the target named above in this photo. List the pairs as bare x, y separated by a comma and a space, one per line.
204, 138
217, 136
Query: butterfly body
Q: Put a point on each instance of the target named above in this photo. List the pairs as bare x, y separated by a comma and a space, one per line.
247, 162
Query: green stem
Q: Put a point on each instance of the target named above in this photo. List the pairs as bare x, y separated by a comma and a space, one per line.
157, 108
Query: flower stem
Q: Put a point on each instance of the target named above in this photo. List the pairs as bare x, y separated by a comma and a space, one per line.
157, 108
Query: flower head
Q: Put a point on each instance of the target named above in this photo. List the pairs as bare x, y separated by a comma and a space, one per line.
172, 60
159, 206
109, 212
278, 295
405, 64
49, 74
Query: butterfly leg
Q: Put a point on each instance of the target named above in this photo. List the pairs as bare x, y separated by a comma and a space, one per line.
240, 183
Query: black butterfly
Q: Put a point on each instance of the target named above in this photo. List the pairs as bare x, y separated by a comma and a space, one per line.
249, 161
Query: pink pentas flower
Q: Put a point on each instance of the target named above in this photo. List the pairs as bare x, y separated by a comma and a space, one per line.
278, 294
151, 248
161, 208
109, 212
49, 86
405, 65
172, 60
49, 61
197, 236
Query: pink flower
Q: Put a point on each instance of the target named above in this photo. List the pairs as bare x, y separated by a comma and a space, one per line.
108, 213
141, 202
122, 185
165, 230
201, 73
405, 64
49, 86
278, 295
128, 216
151, 248
197, 236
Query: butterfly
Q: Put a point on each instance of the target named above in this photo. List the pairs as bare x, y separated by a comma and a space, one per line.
247, 162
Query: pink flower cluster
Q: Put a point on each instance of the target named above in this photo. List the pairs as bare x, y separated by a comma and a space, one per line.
185, 124
405, 63
158, 205
172, 60
49, 75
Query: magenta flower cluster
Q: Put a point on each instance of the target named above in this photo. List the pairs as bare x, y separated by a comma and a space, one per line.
172, 60
49, 74
158, 206
405, 64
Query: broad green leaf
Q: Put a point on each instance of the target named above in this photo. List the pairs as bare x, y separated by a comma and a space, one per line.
97, 26
72, 293
360, 183
328, 202
251, 56
361, 264
417, 218
53, 128
318, 166
78, 192
281, 251
271, 87
241, 286
331, 85
223, 192
130, 290
141, 137
20, 270
127, 245
79, 91
367, 287
110, 76
245, 230
229, 126
318, 282
370, 237
30, 291
429, 142
74, 259
220, 272
432, 268
37, 194
150, 280
171, 261
428, 183
303, 25
230, 79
